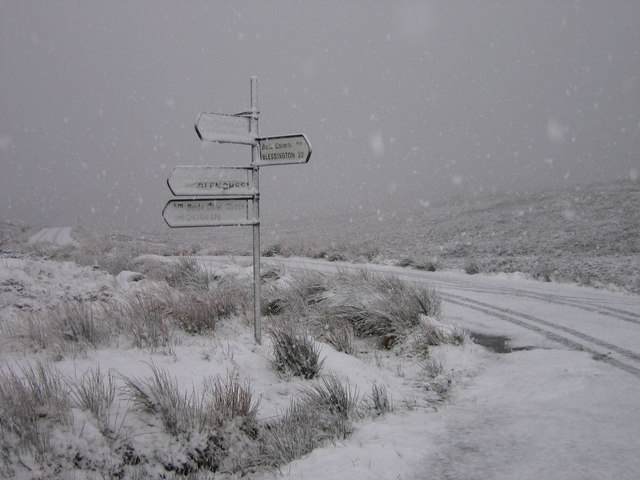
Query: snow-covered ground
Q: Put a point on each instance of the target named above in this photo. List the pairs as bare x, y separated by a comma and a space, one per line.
563, 404
559, 402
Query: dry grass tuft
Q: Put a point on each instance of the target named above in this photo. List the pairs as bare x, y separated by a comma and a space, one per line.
32, 402
295, 353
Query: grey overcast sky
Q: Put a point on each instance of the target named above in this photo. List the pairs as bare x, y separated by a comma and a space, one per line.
406, 103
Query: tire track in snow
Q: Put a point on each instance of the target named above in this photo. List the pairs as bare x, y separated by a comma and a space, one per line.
575, 302
545, 328
588, 305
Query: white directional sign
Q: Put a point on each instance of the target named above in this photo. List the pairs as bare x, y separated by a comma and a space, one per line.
284, 149
205, 180
208, 212
223, 128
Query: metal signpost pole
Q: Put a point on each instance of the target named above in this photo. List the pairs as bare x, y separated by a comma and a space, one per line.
255, 158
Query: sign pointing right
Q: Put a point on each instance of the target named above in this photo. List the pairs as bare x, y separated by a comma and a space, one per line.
284, 149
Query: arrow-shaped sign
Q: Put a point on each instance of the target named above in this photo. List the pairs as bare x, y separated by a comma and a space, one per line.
223, 128
208, 212
284, 149
204, 180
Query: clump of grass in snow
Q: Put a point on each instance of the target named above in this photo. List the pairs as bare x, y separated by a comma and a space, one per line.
428, 264
431, 333
67, 325
339, 403
148, 318
210, 426
295, 353
144, 317
31, 403
295, 248
324, 411
433, 367
373, 305
188, 274
160, 396
77, 322
37, 329
458, 335
95, 393
195, 313
471, 266
297, 297
290, 437
378, 305
228, 399
354, 252
197, 310
379, 401
339, 333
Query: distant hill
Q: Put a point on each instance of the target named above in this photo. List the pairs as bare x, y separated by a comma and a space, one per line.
588, 234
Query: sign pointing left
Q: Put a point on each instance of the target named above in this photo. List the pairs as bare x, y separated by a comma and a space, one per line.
206, 180
209, 212
224, 128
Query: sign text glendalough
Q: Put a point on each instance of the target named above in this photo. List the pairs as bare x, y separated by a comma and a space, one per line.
205, 180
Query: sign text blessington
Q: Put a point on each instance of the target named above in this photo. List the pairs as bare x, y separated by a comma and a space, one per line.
284, 149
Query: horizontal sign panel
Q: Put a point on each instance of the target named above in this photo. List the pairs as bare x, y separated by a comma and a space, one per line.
223, 128
208, 212
205, 180
284, 149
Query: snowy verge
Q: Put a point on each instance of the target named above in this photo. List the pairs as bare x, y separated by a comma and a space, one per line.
32, 287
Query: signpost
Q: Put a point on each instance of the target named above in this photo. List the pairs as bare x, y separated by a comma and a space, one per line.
284, 149
232, 193
205, 180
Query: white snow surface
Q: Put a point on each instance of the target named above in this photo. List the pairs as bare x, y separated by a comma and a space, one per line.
564, 405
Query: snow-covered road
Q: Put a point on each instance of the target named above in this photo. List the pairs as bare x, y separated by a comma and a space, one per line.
603, 323
56, 235
564, 404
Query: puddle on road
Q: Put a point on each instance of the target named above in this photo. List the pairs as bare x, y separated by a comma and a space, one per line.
496, 343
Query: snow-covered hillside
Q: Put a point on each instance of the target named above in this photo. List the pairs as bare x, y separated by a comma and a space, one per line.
588, 235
